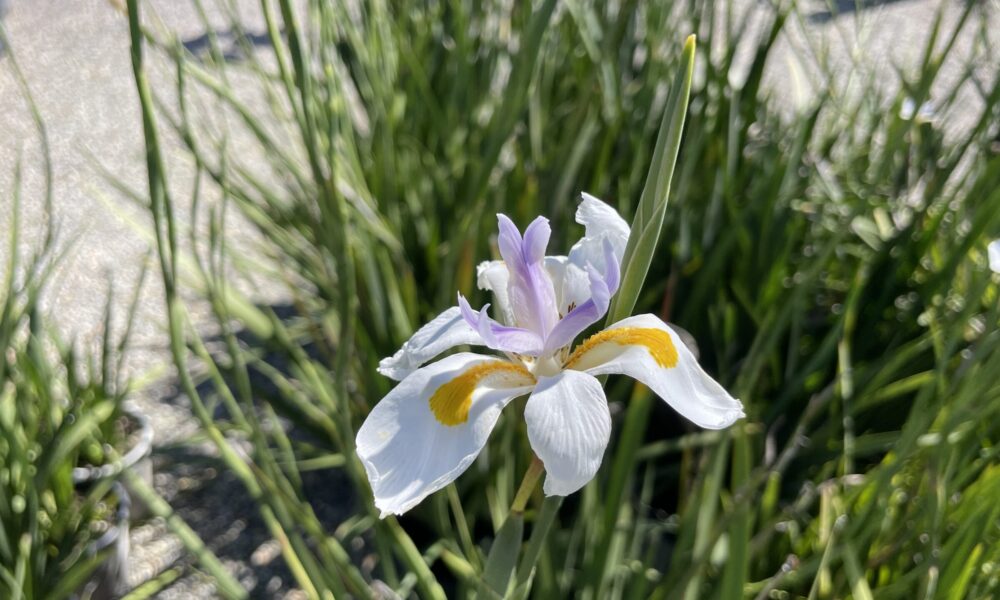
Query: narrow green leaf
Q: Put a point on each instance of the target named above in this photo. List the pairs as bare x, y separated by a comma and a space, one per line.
652, 207
503, 554
738, 535
539, 531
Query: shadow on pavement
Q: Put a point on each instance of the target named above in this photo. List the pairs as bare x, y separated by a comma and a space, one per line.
215, 504
234, 45
839, 8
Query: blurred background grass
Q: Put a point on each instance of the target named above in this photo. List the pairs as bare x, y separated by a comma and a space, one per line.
827, 254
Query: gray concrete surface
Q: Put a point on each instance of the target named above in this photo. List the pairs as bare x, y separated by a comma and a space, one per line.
880, 38
75, 57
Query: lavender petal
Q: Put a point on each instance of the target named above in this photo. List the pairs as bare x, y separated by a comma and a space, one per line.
530, 289
588, 313
500, 337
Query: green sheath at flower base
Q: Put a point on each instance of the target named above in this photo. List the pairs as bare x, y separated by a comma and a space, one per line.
503, 554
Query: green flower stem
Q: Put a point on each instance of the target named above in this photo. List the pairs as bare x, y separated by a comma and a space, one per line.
528, 484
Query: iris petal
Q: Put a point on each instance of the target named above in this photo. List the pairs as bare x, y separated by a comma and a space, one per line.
569, 426
536, 240
445, 331
645, 348
603, 224
407, 449
493, 276
572, 285
497, 336
530, 289
591, 311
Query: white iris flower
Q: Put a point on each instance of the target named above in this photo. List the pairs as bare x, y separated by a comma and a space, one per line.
993, 252
431, 427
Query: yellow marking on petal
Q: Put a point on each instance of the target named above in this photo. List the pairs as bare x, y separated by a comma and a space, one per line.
657, 341
451, 402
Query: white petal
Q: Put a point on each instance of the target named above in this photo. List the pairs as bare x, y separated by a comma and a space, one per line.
569, 426
601, 222
994, 252
492, 275
571, 283
446, 331
624, 348
408, 453
600, 217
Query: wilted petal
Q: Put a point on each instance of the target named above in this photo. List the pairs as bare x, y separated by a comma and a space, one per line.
532, 297
602, 224
445, 331
431, 426
497, 336
645, 348
569, 426
994, 253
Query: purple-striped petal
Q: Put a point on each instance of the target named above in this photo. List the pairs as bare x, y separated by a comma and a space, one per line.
509, 240
588, 313
536, 240
530, 289
500, 337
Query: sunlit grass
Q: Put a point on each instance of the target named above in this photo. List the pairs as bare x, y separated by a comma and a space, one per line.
830, 265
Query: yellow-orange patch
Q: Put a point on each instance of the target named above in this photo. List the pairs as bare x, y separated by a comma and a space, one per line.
657, 341
450, 403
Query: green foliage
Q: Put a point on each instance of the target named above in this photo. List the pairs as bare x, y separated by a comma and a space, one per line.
50, 417
829, 263
57, 413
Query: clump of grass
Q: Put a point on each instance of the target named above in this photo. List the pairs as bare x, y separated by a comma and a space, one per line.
828, 263
51, 412
54, 412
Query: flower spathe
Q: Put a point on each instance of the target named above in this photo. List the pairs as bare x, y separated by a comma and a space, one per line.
433, 425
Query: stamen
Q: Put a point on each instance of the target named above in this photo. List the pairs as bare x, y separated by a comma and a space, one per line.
657, 341
451, 402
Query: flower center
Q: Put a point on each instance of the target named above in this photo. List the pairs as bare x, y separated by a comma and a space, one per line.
546, 366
